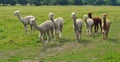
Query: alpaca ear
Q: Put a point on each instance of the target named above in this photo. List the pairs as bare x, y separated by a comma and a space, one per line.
104, 14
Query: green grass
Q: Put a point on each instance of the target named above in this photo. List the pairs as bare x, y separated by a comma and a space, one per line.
16, 47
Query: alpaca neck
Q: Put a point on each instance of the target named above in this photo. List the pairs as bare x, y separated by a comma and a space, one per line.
104, 21
85, 20
74, 19
90, 15
53, 21
19, 17
37, 27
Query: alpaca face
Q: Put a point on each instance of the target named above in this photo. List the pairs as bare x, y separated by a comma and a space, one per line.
73, 15
33, 21
51, 14
85, 16
16, 13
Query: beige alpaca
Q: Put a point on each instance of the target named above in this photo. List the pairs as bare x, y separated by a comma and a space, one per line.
77, 26
25, 20
89, 23
45, 29
58, 24
105, 27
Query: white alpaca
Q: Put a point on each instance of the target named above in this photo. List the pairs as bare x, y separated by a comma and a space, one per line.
45, 29
58, 24
77, 26
89, 23
25, 20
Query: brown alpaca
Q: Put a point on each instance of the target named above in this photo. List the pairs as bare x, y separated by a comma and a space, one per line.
97, 22
105, 27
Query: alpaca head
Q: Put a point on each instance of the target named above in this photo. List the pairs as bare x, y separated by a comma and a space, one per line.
16, 13
104, 15
85, 17
33, 21
90, 14
51, 14
73, 15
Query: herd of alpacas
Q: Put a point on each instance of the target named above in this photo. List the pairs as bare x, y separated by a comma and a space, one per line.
52, 28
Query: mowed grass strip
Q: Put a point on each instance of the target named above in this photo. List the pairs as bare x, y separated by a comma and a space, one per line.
16, 47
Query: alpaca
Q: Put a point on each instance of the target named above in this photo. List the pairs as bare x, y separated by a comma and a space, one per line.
105, 27
45, 29
97, 22
89, 23
58, 24
77, 26
25, 20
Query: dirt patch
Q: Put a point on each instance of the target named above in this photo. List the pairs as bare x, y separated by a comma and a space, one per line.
30, 61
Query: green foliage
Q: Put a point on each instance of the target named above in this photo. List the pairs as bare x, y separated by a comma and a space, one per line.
22, 2
61, 2
78, 2
12, 2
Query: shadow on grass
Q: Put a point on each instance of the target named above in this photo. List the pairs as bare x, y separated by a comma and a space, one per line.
64, 40
113, 40
96, 35
57, 43
85, 42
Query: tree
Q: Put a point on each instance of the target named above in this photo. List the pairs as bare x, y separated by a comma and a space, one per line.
107, 2
114, 2
4, 2
53, 2
62, 2
22, 2
12, 2
98, 2
37, 2
78, 2
46, 2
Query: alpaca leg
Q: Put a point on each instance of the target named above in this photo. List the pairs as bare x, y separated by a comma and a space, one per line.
80, 34
97, 28
103, 36
48, 37
31, 29
52, 35
25, 26
57, 33
107, 33
77, 36
60, 32
44, 36
87, 30
41, 37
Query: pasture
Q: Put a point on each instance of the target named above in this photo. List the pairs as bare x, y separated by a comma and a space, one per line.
17, 47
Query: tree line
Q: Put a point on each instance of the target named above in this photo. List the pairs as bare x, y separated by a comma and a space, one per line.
59, 2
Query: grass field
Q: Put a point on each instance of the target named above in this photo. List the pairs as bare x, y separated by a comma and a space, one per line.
16, 47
